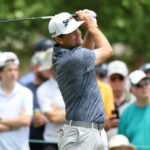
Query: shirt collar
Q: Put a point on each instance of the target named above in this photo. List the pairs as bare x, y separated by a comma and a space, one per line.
15, 90
59, 50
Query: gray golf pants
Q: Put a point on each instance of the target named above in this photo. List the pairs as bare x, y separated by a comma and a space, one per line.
79, 138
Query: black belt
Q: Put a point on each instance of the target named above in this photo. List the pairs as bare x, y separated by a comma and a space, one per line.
98, 126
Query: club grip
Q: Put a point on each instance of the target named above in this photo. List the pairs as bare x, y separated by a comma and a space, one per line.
74, 15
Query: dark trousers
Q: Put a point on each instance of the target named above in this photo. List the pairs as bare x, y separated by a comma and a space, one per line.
36, 146
36, 133
50, 147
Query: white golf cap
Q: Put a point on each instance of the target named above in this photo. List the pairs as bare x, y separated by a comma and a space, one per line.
47, 64
118, 67
119, 141
8, 58
63, 23
136, 76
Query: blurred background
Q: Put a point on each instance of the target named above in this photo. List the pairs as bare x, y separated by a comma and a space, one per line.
125, 23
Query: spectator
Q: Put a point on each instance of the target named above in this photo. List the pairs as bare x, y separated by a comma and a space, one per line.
39, 119
101, 71
105, 89
146, 68
117, 78
42, 45
107, 94
120, 142
15, 106
51, 104
135, 122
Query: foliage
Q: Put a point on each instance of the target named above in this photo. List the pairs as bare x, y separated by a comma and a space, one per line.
122, 21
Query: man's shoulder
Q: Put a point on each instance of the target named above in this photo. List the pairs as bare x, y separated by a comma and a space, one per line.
81, 54
80, 50
129, 108
44, 85
26, 78
23, 89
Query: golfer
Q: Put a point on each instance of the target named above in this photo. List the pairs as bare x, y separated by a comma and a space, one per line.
74, 61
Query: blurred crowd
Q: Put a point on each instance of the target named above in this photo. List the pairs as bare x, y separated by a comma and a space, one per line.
33, 108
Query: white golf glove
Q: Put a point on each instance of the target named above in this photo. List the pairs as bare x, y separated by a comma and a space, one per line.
93, 15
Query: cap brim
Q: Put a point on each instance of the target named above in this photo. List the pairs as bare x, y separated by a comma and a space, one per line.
137, 81
128, 146
117, 72
45, 67
73, 27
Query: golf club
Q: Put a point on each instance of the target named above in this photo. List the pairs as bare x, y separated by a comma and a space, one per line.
33, 18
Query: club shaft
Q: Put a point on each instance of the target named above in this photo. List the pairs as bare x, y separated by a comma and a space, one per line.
33, 18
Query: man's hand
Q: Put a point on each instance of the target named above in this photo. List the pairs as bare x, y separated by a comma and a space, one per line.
4, 128
111, 122
39, 120
94, 36
93, 15
89, 21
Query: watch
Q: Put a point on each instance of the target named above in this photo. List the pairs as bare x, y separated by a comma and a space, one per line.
0, 119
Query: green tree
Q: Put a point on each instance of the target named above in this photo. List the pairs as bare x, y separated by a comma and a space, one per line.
122, 21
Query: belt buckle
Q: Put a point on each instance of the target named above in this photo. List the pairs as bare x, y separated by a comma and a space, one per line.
92, 125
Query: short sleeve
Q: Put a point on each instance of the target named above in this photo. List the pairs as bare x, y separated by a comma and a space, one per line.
43, 100
83, 59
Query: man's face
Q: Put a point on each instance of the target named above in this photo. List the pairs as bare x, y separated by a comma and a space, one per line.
44, 75
10, 72
142, 89
117, 82
71, 40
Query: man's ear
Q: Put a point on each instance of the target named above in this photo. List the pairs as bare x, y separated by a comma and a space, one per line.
59, 40
34, 69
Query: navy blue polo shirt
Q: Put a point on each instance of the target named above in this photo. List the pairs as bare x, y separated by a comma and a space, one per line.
76, 77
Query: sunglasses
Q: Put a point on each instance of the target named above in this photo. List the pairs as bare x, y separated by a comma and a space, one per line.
114, 78
141, 84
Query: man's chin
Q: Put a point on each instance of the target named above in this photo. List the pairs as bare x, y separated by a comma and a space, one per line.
78, 45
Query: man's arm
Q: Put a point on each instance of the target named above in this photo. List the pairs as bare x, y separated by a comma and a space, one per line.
21, 120
88, 41
103, 50
56, 115
17, 122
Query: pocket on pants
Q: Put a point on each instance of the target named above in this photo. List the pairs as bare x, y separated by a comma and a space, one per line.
104, 138
59, 135
69, 138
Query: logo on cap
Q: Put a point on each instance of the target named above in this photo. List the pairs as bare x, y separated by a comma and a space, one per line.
67, 21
